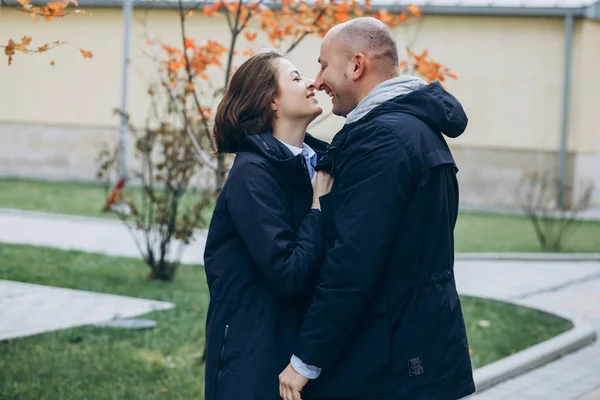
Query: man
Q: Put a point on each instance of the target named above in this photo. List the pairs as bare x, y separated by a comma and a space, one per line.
385, 321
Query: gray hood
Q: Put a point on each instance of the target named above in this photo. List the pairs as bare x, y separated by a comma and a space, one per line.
383, 92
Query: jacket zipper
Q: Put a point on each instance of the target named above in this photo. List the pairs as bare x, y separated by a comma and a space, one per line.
221, 361
305, 168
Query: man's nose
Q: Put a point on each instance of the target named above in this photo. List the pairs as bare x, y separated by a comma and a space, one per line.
318, 82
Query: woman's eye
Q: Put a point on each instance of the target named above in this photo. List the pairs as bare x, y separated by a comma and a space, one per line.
297, 79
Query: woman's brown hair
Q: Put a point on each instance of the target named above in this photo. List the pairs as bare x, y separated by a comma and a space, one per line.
246, 107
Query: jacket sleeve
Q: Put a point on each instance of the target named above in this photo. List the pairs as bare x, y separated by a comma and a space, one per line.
371, 192
286, 258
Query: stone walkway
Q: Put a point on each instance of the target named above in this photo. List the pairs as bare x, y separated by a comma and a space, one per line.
593, 395
565, 286
572, 287
93, 235
27, 309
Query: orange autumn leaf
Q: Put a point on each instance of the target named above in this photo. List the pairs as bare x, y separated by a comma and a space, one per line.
9, 50
402, 17
53, 10
341, 17
384, 16
86, 54
250, 36
174, 66
26, 40
189, 43
210, 10
413, 9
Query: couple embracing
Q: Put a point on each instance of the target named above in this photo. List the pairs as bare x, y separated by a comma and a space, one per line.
330, 266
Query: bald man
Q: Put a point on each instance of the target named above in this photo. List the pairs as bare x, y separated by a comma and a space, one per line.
385, 322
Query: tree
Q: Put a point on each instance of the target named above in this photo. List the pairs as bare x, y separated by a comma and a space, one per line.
537, 194
285, 24
49, 11
176, 145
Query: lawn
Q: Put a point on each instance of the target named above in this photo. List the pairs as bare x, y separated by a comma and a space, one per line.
74, 198
475, 232
164, 363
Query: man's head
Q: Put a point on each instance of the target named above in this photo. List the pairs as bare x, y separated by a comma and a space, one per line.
355, 57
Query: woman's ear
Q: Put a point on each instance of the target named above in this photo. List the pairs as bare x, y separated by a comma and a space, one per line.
274, 106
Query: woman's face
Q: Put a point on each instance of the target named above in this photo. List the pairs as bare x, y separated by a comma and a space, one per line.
296, 98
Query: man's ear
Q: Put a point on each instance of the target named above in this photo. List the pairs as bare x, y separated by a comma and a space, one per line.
359, 64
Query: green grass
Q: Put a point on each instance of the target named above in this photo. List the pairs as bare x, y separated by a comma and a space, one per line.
474, 232
74, 198
511, 328
95, 363
163, 363
477, 232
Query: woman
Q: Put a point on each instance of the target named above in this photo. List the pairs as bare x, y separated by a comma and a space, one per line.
264, 243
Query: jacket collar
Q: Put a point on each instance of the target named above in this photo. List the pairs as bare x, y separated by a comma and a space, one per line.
292, 166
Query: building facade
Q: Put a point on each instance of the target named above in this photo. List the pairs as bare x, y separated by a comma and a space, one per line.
527, 77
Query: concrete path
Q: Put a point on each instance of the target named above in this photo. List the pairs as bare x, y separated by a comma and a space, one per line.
27, 309
566, 286
93, 235
592, 395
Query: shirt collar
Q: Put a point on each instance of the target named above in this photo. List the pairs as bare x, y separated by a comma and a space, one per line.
297, 150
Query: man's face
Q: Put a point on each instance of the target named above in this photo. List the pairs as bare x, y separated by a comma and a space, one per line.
333, 76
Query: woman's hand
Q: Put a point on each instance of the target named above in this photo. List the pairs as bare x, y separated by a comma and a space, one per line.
322, 182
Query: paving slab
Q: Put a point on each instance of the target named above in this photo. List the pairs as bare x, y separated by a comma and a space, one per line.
27, 309
93, 235
575, 374
514, 280
592, 395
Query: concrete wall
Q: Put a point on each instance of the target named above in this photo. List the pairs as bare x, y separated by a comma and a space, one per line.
53, 120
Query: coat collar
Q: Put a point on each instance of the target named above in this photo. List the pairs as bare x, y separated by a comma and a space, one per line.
292, 166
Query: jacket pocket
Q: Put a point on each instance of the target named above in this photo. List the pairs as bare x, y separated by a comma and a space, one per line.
232, 360
220, 368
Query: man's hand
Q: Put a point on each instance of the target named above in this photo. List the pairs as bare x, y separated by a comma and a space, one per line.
291, 384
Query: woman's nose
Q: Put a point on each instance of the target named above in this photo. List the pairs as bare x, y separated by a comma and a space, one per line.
310, 84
